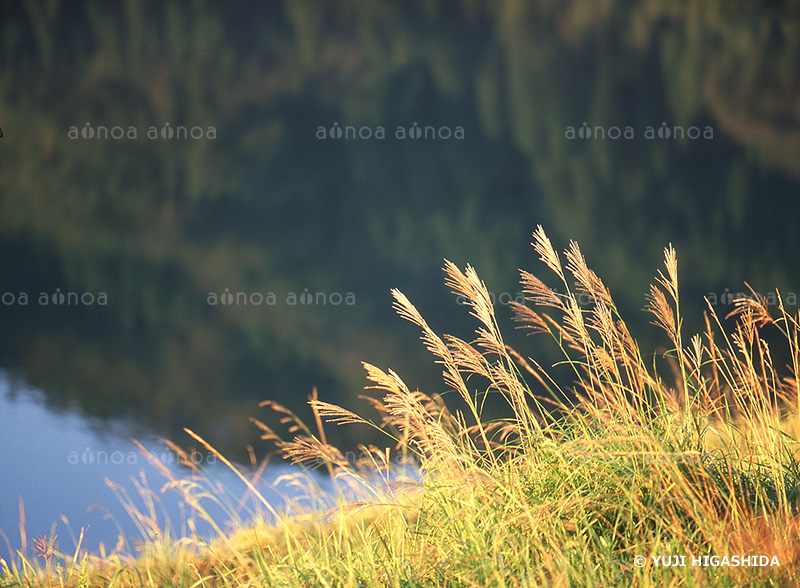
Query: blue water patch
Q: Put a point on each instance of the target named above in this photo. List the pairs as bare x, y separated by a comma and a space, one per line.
65, 475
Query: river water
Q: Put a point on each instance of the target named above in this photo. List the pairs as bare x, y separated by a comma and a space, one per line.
63, 474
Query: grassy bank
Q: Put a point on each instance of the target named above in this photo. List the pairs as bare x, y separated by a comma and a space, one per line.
670, 469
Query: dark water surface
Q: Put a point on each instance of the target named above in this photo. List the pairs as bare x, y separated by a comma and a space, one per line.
203, 206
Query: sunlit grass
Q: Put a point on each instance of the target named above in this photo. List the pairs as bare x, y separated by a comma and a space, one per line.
686, 466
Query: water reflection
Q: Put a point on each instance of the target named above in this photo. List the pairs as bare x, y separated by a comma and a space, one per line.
56, 472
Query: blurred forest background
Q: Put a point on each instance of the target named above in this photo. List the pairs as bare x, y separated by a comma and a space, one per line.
264, 205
